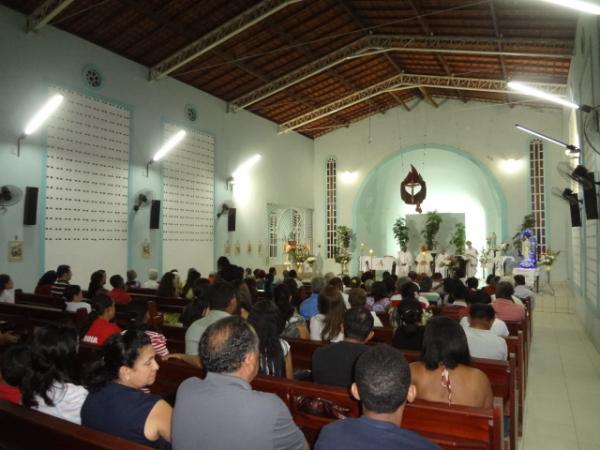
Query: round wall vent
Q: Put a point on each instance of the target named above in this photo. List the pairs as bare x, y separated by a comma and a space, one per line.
190, 113
92, 77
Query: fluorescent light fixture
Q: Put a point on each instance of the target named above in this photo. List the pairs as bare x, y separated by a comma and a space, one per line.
349, 177
246, 165
586, 7
169, 145
528, 90
511, 165
42, 115
569, 149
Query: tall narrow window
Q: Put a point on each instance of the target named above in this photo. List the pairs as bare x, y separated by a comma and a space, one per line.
331, 207
273, 235
538, 205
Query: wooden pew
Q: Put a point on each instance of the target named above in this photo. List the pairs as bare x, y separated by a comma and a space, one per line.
26, 429
49, 301
38, 315
515, 346
144, 291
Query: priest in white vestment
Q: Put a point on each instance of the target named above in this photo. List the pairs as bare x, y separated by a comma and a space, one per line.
442, 262
471, 255
424, 260
404, 262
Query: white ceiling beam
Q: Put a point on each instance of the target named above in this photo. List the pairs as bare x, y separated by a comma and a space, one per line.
44, 13
218, 36
410, 81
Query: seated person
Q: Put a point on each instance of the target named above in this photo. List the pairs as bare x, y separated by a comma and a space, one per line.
63, 275
139, 316
437, 283
97, 282
152, 282
7, 292
327, 325
100, 327
498, 327
443, 374
505, 306
309, 307
333, 364
229, 350
16, 361
457, 306
294, 323
379, 300
132, 281
357, 298
116, 404
275, 357
426, 290
409, 333
522, 291
383, 386
74, 299
44, 284
483, 343
118, 293
472, 285
51, 384
490, 282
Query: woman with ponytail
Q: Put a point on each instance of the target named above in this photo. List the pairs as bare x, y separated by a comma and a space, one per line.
116, 403
99, 327
51, 383
409, 334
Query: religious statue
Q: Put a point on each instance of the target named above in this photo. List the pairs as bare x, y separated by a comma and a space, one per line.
528, 249
405, 261
424, 260
413, 189
442, 262
471, 255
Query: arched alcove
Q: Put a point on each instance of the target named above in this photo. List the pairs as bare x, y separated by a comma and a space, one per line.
456, 183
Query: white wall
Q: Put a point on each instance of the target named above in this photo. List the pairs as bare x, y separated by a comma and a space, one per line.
33, 62
484, 133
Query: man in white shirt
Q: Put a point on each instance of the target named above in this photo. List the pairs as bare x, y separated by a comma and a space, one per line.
522, 291
471, 255
482, 342
405, 261
152, 282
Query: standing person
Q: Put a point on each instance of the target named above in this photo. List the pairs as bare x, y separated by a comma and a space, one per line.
118, 292
424, 260
152, 281
63, 275
51, 384
471, 255
229, 350
44, 284
97, 282
405, 261
383, 386
442, 262
333, 364
7, 291
483, 343
116, 403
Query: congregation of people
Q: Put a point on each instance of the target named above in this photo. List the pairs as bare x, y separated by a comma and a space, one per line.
238, 324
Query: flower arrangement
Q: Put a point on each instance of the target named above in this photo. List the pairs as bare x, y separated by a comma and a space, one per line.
547, 258
298, 252
502, 247
486, 258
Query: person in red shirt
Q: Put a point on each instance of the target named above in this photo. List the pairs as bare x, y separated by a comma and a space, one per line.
118, 293
101, 328
504, 305
15, 361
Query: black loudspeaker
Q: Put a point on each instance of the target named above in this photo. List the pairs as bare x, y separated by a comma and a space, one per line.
575, 213
30, 207
231, 219
590, 200
155, 215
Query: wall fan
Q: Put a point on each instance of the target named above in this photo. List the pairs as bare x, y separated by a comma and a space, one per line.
9, 195
142, 199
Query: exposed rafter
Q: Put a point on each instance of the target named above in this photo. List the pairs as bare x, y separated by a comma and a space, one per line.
219, 35
44, 13
499, 46
368, 45
411, 81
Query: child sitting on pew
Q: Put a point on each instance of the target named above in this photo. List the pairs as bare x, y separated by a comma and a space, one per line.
100, 327
15, 361
74, 299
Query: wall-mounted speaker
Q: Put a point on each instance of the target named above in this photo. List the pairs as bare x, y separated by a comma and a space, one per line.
30, 206
575, 212
231, 219
155, 215
590, 200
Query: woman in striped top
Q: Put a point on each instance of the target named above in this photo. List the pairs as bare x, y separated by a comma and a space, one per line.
139, 317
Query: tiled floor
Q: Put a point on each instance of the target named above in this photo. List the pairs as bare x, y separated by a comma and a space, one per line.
562, 408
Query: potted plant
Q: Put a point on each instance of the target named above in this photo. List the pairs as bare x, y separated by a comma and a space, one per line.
432, 227
343, 255
458, 239
401, 231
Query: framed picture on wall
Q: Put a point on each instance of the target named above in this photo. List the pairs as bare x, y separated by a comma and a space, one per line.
249, 248
227, 248
15, 251
145, 249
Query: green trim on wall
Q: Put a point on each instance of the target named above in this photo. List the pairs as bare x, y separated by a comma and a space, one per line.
494, 184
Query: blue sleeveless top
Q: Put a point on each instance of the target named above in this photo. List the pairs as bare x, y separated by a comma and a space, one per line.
121, 411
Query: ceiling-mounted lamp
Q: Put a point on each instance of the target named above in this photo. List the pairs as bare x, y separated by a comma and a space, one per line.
524, 88
586, 7
40, 118
570, 150
166, 148
242, 170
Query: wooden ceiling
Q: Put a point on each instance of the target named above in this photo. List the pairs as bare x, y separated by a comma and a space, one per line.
285, 54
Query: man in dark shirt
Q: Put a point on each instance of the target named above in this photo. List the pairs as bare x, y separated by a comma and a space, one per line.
334, 363
383, 386
63, 275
